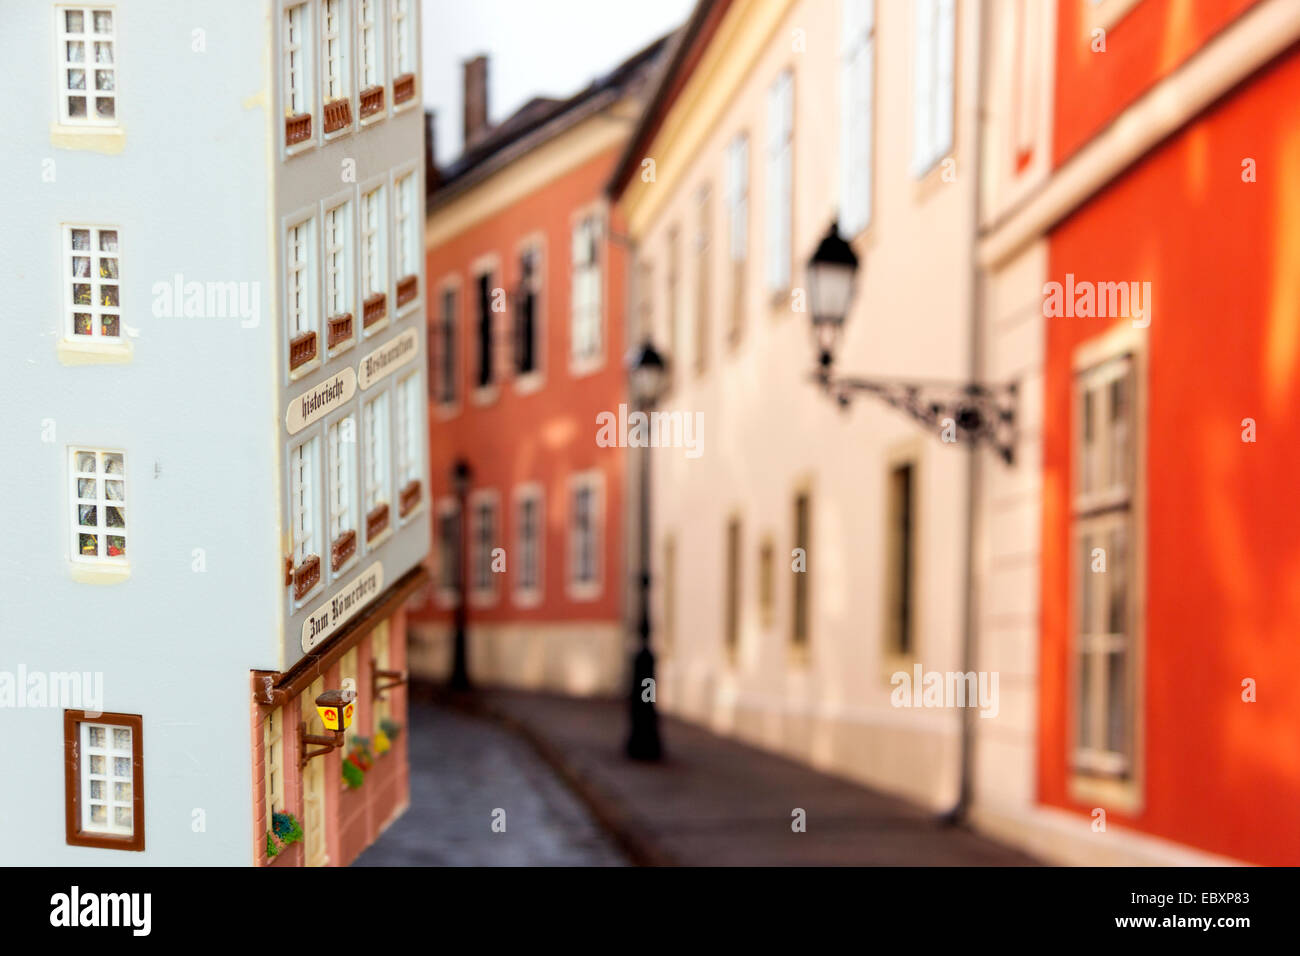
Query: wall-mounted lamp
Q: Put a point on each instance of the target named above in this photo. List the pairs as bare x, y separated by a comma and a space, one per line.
336, 708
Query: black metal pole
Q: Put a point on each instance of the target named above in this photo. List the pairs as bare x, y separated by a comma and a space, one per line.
459, 665
643, 742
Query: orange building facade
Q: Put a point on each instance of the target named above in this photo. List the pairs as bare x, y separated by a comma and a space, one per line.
526, 322
1170, 557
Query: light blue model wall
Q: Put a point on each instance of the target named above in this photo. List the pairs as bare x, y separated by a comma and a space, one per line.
195, 412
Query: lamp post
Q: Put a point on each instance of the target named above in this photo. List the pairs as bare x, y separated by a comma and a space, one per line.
460, 481
980, 413
647, 375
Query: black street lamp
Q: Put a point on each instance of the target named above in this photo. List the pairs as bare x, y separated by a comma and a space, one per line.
460, 481
981, 413
647, 376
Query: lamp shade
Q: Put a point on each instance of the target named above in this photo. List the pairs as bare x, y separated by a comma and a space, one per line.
832, 271
647, 373
336, 708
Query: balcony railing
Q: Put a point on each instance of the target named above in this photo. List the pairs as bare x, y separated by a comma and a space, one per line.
372, 101
407, 287
302, 349
403, 87
409, 498
297, 128
376, 522
338, 114
341, 551
374, 309
306, 576
339, 329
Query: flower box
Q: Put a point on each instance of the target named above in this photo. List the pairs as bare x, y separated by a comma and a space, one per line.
374, 309
376, 522
302, 349
306, 576
341, 551
339, 329
297, 128
372, 101
409, 498
407, 287
403, 87
338, 114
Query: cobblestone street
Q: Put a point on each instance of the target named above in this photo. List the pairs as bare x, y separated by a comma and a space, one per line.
462, 770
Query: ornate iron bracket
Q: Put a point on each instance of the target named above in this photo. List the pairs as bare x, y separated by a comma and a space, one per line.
976, 413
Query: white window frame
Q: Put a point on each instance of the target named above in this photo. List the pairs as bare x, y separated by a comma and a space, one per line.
370, 45
304, 503
483, 595
857, 114
299, 284
373, 249
402, 16
111, 753
296, 75
526, 595
341, 438
410, 444
101, 501
406, 220
375, 429
593, 482
934, 57
96, 257
338, 264
587, 292
779, 168
1105, 502
335, 64
88, 65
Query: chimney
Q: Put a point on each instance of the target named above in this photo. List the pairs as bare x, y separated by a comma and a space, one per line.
475, 99
432, 177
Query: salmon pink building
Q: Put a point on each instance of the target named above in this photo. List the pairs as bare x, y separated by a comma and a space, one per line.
1149, 253
526, 323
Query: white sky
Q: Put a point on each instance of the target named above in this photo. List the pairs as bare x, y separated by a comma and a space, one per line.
535, 48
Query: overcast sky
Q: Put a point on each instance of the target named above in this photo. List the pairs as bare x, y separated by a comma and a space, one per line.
535, 48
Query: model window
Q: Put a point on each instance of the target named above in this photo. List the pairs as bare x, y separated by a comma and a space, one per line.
374, 268
409, 446
99, 506
403, 51
338, 274
900, 560
93, 284
104, 767
449, 551
443, 348
371, 56
375, 427
300, 292
296, 76
334, 65
273, 755
303, 507
802, 529
342, 490
703, 270
406, 230
88, 66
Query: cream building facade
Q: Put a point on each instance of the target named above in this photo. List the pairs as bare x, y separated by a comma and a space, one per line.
794, 113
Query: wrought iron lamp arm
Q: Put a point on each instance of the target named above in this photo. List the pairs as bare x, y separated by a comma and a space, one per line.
978, 412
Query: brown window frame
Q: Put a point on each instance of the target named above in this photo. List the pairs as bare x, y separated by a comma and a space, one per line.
72, 721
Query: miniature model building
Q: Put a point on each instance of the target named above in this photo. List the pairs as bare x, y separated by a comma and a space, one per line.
216, 291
